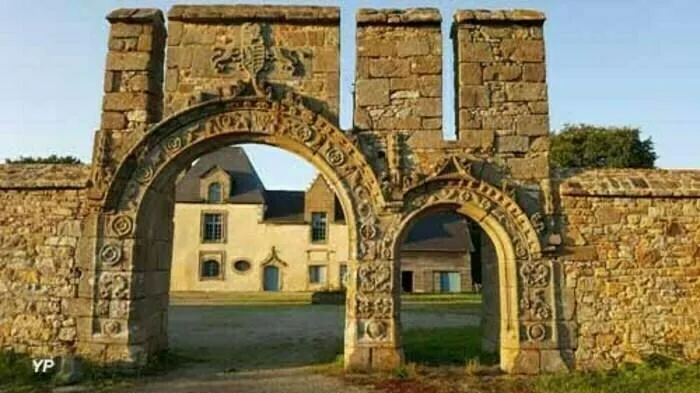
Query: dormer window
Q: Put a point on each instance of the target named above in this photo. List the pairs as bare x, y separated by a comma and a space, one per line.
214, 193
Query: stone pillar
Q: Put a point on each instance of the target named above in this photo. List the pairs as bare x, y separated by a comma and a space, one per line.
398, 86
133, 88
372, 323
501, 90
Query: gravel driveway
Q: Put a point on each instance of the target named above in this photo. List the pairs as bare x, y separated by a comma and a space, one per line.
262, 337
260, 349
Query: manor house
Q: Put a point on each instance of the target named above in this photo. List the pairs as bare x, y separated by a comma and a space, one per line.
233, 234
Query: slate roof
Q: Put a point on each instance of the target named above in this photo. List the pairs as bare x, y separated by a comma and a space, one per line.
284, 206
439, 232
247, 185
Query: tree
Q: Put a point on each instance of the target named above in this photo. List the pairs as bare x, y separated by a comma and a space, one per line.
589, 146
52, 159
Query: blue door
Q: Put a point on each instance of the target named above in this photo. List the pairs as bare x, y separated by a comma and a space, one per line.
271, 279
450, 282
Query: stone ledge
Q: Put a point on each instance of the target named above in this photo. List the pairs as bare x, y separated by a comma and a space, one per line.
630, 182
266, 13
33, 176
499, 16
390, 16
136, 15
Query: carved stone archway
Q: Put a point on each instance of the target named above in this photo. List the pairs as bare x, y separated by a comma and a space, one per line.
528, 328
132, 243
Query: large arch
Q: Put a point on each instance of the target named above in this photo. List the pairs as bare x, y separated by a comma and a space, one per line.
528, 328
131, 245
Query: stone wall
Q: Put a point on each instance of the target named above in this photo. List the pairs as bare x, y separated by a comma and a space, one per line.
501, 103
40, 211
398, 76
630, 266
293, 47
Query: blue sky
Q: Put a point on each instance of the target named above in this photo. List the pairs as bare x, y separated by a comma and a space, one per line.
609, 62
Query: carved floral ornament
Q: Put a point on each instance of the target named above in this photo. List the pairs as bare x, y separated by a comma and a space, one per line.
250, 115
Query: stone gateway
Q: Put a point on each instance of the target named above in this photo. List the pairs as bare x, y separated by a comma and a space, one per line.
594, 268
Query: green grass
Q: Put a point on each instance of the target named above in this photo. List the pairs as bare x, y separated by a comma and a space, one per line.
657, 375
445, 346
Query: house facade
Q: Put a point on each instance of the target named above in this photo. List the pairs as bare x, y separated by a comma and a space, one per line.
234, 235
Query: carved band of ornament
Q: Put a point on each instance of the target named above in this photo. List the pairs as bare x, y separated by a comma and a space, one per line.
386, 249
374, 277
122, 225
111, 328
145, 173
535, 307
111, 254
536, 332
335, 157
535, 275
369, 306
376, 330
368, 250
102, 308
113, 286
537, 222
368, 231
173, 144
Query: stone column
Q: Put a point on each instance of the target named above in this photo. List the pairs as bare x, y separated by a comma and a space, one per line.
501, 89
398, 87
133, 88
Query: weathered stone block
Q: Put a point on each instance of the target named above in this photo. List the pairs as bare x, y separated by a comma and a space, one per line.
530, 168
497, 122
480, 139
372, 47
432, 123
175, 30
372, 92
512, 144
415, 46
475, 52
474, 96
503, 72
122, 30
538, 107
523, 50
470, 74
124, 101
469, 120
526, 91
326, 60
424, 139
429, 107
393, 123
113, 121
137, 61
532, 125
426, 65
391, 68
534, 72
178, 57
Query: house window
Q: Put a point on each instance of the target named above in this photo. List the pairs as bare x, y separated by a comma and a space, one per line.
319, 227
213, 227
210, 269
343, 276
317, 274
241, 265
214, 193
